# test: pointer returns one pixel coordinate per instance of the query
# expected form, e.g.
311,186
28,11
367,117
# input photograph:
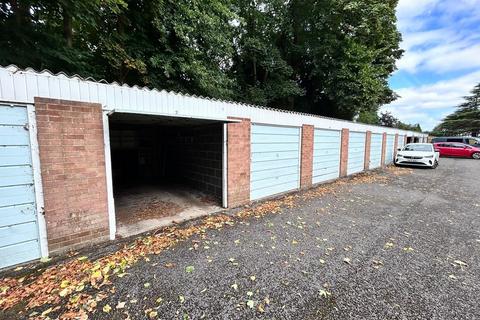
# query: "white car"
417,154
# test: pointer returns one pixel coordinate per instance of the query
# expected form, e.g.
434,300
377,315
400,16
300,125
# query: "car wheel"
476,155
435,164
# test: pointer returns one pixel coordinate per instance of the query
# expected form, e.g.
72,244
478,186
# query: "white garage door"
376,150
389,148
326,155
356,152
401,141
275,160
19,237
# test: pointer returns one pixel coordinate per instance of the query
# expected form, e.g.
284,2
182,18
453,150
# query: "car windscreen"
418,147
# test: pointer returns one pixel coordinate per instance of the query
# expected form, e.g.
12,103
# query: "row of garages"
70,149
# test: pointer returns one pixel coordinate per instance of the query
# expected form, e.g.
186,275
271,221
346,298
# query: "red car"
455,149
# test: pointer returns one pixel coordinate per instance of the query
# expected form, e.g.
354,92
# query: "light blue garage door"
401,140
19,240
376,150
326,155
389,148
356,152
275,160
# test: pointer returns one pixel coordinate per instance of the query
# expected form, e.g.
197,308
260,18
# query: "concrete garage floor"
406,247
146,208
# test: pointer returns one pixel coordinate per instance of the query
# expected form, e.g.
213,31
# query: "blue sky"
441,63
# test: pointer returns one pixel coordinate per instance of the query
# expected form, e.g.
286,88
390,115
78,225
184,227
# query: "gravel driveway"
403,248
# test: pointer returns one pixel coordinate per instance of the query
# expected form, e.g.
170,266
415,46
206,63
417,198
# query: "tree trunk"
67,27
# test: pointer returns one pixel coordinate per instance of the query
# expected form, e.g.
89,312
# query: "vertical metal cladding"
275,160
389,150
401,141
356,152
326,155
376,151
19,238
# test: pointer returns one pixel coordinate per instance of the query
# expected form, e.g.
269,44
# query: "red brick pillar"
72,157
368,141
384,147
306,163
395,145
344,153
238,163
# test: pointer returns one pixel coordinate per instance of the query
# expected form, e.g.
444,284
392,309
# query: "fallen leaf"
146,284
181,298
460,263
249,293
45,259
120,305
235,286
189,269
252,278
324,293
107,308
152,314
251,304
408,249
347,260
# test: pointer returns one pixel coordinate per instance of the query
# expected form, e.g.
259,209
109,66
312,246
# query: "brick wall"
344,153
70,138
368,141
306,165
199,157
384,147
238,162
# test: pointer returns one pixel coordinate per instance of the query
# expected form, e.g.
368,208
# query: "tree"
465,120
263,75
369,117
343,52
327,57
388,120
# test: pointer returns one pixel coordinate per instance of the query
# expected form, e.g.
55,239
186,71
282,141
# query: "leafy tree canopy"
465,120
327,57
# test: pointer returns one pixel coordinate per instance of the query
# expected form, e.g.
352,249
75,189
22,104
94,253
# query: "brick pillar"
306,163
384,147
368,141
238,162
72,157
395,145
344,153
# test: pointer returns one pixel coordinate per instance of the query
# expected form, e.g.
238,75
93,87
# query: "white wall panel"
356,152
376,150
275,160
326,155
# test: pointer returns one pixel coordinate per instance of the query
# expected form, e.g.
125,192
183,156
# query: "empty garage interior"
164,169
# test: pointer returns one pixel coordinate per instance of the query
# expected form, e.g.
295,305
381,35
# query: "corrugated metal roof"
22,85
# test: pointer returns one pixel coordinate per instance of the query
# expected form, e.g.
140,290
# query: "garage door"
401,140
356,152
326,155
275,160
19,239
376,150
389,148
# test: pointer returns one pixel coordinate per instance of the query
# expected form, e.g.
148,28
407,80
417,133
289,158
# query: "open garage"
164,169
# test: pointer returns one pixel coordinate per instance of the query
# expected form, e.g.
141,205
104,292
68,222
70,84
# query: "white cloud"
428,104
439,36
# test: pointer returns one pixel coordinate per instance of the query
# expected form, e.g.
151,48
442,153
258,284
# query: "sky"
441,63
